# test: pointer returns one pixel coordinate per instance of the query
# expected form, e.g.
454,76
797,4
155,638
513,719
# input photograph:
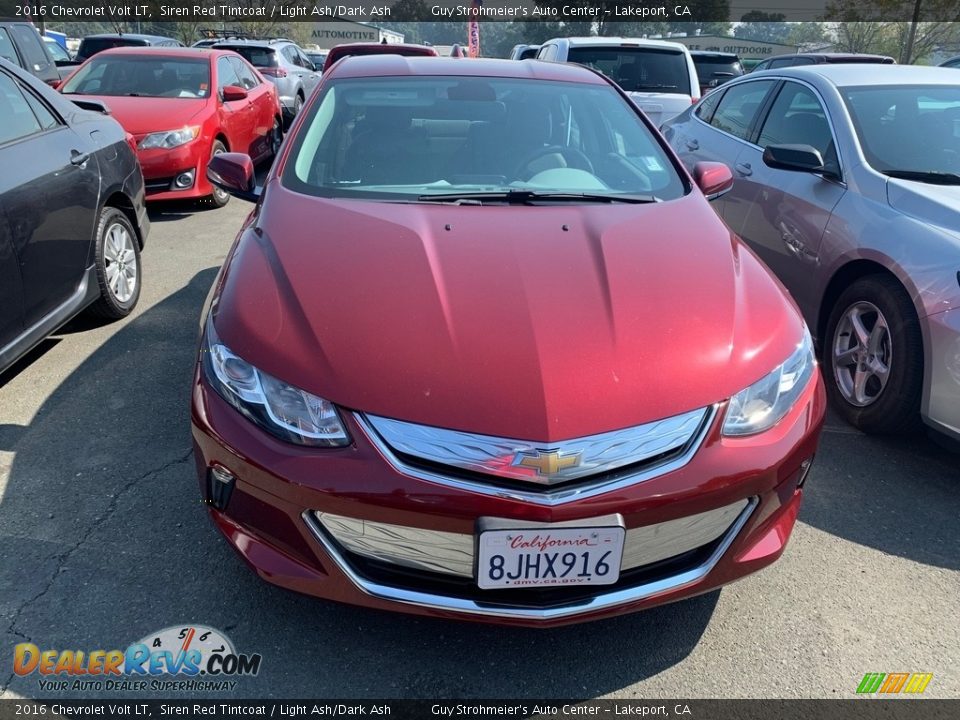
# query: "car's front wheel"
117,256
874,356
220,197
276,138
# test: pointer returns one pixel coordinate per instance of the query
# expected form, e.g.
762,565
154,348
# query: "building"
746,49
327,34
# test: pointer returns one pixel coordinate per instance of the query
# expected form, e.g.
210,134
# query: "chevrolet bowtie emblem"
548,463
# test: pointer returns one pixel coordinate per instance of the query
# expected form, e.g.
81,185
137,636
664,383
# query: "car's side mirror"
234,173
800,158
234,92
713,178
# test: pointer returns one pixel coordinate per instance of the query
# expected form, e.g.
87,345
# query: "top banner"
600,12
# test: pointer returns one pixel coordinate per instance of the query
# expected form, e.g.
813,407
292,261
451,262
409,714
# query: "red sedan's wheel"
219,197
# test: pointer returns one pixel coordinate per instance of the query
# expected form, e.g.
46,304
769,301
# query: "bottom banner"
862,709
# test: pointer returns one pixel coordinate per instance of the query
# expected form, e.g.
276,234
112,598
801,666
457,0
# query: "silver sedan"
847,184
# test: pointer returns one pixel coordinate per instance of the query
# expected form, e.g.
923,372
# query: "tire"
873,357
297,106
276,137
219,197
117,256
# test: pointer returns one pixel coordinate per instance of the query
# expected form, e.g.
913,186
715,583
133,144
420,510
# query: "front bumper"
271,518
941,400
161,167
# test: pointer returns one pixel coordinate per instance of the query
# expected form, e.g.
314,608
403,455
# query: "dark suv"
715,68
92,44
21,44
782,61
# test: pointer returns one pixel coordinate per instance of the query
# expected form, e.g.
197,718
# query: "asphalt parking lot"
104,540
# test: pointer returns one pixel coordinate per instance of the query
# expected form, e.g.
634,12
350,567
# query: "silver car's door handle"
744,169
692,144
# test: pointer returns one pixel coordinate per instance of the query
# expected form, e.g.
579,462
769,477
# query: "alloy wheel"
120,262
862,354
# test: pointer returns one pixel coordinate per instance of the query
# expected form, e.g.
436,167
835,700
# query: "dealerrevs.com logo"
181,657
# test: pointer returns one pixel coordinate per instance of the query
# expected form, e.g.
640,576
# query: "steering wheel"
573,157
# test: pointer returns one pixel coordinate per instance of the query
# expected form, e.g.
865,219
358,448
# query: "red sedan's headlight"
763,404
281,409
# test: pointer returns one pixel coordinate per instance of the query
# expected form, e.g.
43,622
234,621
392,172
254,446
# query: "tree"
766,27
866,26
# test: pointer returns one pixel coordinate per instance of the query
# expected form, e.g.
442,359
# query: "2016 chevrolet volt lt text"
483,350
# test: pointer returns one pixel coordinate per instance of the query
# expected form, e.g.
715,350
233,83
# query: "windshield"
260,57
57,51
908,129
638,69
154,76
411,137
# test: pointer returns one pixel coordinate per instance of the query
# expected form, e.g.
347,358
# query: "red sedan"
484,351
183,106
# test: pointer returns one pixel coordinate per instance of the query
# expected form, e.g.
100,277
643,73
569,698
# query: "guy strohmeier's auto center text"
90,10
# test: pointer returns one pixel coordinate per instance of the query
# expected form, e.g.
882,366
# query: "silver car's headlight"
283,410
168,139
763,404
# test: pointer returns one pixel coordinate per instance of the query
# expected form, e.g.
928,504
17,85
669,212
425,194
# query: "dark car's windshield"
146,76
260,57
92,45
638,69
906,129
410,137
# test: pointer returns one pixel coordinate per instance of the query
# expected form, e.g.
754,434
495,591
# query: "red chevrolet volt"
483,350
182,106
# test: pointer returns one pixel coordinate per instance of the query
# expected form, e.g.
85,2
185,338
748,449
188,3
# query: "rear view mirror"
800,158
713,178
234,173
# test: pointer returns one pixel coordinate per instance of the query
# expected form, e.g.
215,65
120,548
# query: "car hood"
542,323
142,115
935,204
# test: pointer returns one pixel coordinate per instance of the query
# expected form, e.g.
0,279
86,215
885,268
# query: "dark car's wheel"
219,197
873,353
118,265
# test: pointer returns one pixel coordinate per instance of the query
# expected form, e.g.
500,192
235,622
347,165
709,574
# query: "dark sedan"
72,217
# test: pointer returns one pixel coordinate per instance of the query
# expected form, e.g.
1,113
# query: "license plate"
544,556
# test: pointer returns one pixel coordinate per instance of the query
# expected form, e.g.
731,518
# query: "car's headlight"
281,409
170,138
763,404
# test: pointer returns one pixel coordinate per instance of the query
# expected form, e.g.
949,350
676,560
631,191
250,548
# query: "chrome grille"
543,463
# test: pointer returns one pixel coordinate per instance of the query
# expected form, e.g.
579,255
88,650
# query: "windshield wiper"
640,88
928,176
530,197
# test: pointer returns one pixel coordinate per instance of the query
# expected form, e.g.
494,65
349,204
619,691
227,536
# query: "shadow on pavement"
898,495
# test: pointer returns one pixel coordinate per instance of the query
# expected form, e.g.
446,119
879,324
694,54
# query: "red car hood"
542,323
142,115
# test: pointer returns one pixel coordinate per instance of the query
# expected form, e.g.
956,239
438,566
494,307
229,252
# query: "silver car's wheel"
873,356
120,260
862,353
